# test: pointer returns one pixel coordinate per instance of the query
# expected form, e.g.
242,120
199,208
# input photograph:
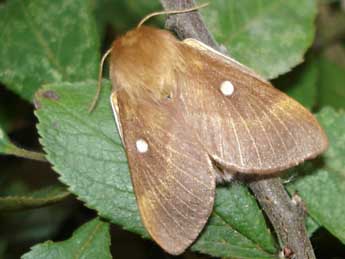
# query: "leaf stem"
24,153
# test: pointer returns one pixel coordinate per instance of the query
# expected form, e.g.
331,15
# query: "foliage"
92,240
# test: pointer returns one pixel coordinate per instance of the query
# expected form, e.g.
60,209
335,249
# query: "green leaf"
331,84
270,36
5,143
92,240
30,225
46,41
124,15
322,184
43,197
301,84
87,153
237,228
8,148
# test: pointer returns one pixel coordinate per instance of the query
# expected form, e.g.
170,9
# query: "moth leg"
115,107
226,176
223,175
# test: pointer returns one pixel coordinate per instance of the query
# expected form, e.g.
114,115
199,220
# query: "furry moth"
187,115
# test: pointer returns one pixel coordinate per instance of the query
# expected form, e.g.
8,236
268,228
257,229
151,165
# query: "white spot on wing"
227,88
141,146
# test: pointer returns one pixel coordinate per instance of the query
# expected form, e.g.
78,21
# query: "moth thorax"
144,63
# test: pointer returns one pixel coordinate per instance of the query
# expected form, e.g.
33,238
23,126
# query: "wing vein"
236,135
163,206
248,131
183,172
221,143
261,107
174,150
150,179
157,217
263,129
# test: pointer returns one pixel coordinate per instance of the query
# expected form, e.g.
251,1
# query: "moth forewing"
173,177
248,126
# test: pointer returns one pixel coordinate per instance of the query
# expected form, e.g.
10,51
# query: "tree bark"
286,216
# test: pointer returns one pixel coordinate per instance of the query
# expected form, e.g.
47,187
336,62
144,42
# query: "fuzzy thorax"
145,62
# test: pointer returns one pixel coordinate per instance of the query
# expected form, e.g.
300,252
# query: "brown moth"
187,116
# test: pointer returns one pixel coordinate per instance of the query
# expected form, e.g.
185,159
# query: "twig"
286,216
187,25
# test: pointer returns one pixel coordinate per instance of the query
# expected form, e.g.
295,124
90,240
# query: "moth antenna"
171,12
99,82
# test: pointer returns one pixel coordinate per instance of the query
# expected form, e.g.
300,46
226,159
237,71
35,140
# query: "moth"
189,116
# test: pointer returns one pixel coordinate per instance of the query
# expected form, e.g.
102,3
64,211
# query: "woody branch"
286,216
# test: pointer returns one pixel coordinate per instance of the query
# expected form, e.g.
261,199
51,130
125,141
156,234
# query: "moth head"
144,63
151,60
